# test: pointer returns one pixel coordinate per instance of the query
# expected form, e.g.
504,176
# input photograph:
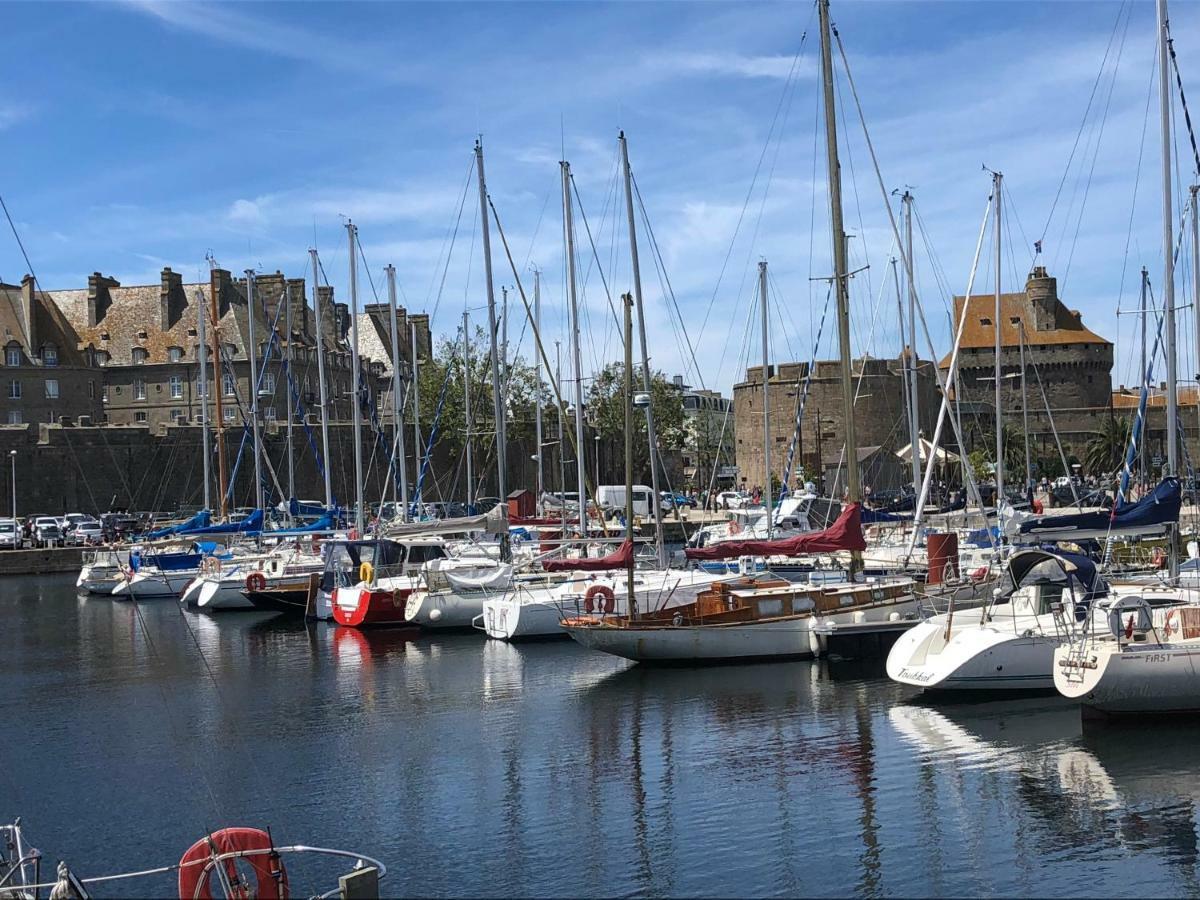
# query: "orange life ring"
196,870
603,591
1159,557
255,582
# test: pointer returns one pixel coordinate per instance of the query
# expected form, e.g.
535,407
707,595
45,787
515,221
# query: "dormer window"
140,355
141,333
175,354
12,354
49,355
102,357
985,321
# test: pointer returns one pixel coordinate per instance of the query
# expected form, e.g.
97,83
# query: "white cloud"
245,212
735,64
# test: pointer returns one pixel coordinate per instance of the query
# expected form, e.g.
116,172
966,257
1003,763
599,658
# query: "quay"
41,560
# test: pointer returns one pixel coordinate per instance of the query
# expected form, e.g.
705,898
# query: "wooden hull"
365,607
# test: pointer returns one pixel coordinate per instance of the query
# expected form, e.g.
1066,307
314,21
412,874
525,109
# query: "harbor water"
476,768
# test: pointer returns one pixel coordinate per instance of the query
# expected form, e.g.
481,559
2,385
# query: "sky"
140,135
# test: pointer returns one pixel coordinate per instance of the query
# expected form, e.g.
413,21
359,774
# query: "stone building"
48,375
1062,356
375,344
708,441
880,412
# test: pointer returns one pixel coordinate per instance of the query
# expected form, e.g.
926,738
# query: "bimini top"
1150,515
1072,569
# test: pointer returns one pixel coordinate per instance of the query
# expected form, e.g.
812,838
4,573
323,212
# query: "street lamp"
12,456
596,438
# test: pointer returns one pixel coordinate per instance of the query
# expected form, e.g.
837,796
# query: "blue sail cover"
252,524
201,519
327,522
871,516
297,509
1150,515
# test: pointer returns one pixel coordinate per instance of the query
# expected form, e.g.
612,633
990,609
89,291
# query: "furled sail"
844,534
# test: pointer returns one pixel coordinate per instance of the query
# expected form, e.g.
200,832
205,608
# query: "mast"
997,183
352,234
316,293
418,454
397,397
537,403
222,476
497,398
627,302
841,274
1143,381
467,412
1025,412
910,358
291,409
1164,97
253,348
562,459
651,431
569,234
766,416
205,441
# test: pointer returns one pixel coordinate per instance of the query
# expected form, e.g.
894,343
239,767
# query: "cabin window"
140,355
176,382
51,388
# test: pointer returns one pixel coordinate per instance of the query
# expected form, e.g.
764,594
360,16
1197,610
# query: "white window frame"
176,386
141,417
12,355
139,389
49,355
51,388
140,355
228,385
229,413
14,389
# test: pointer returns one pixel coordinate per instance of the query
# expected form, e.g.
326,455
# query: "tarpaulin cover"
621,558
844,534
252,524
1159,508
871,516
200,520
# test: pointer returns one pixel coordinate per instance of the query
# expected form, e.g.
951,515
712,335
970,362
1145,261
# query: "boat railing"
230,888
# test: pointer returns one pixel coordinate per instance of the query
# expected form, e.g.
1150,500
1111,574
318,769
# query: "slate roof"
50,326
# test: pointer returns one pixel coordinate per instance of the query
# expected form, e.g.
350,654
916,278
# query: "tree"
1106,451
605,407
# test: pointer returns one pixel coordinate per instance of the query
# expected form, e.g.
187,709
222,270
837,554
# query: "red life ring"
255,582
195,870
603,591
979,574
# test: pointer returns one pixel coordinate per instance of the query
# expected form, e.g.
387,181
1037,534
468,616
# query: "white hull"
152,585
226,593
1137,680
777,638
444,609
99,579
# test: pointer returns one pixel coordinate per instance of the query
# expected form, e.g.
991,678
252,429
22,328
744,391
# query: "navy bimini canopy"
1151,514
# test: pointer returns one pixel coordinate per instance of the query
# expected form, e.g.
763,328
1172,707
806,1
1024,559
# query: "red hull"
366,608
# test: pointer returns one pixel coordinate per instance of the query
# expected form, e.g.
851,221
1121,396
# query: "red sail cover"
621,559
844,534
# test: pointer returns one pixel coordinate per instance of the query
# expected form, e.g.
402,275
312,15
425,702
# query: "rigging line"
447,239
1083,121
595,254
788,85
36,281
637,191
1136,182
453,238
1187,116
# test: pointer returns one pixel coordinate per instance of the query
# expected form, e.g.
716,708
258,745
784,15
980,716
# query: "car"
11,537
46,532
86,533
731,500
670,501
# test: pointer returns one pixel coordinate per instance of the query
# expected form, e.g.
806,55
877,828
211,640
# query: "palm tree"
1106,451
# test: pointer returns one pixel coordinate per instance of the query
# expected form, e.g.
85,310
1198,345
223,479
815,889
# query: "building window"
139,389
175,354
268,383
91,390
228,385
14,390
228,413
985,321
12,355
268,414
102,357
140,417
49,355
176,387
140,355
104,393
176,415
14,417
51,388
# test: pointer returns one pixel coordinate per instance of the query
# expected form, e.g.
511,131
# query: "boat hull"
1134,681
366,607
783,639
444,610
153,585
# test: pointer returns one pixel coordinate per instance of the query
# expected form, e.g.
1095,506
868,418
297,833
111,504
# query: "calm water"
477,768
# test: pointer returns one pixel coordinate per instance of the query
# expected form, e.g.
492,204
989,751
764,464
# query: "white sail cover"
492,578
494,521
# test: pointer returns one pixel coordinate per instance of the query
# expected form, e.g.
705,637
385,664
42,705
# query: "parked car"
731,500
671,501
86,533
46,532
11,537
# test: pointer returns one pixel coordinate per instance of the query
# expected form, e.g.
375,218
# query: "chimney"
1042,293
424,340
299,308
328,316
171,299
99,298
27,316
341,315
224,282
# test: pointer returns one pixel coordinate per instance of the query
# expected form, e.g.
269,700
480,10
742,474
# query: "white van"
612,500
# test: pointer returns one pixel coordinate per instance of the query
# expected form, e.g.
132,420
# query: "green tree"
605,406
1106,450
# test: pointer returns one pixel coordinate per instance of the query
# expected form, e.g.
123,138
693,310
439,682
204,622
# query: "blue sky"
139,135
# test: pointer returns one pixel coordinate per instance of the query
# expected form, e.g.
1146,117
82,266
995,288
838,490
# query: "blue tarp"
1150,514
870,516
252,524
201,519
327,522
297,509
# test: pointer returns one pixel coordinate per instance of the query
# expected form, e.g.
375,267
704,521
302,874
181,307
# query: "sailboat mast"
1164,97
1025,410
627,302
467,413
569,236
562,459
291,409
497,396
1143,381
418,455
651,431
253,354
352,233
397,396
323,393
910,358
537,402
997,184
766,413
215,306
841,273
205,440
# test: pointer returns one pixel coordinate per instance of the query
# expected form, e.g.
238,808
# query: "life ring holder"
366,573
609,599
198,863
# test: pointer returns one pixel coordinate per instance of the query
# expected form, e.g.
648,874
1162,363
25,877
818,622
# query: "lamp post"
596,455
12,457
